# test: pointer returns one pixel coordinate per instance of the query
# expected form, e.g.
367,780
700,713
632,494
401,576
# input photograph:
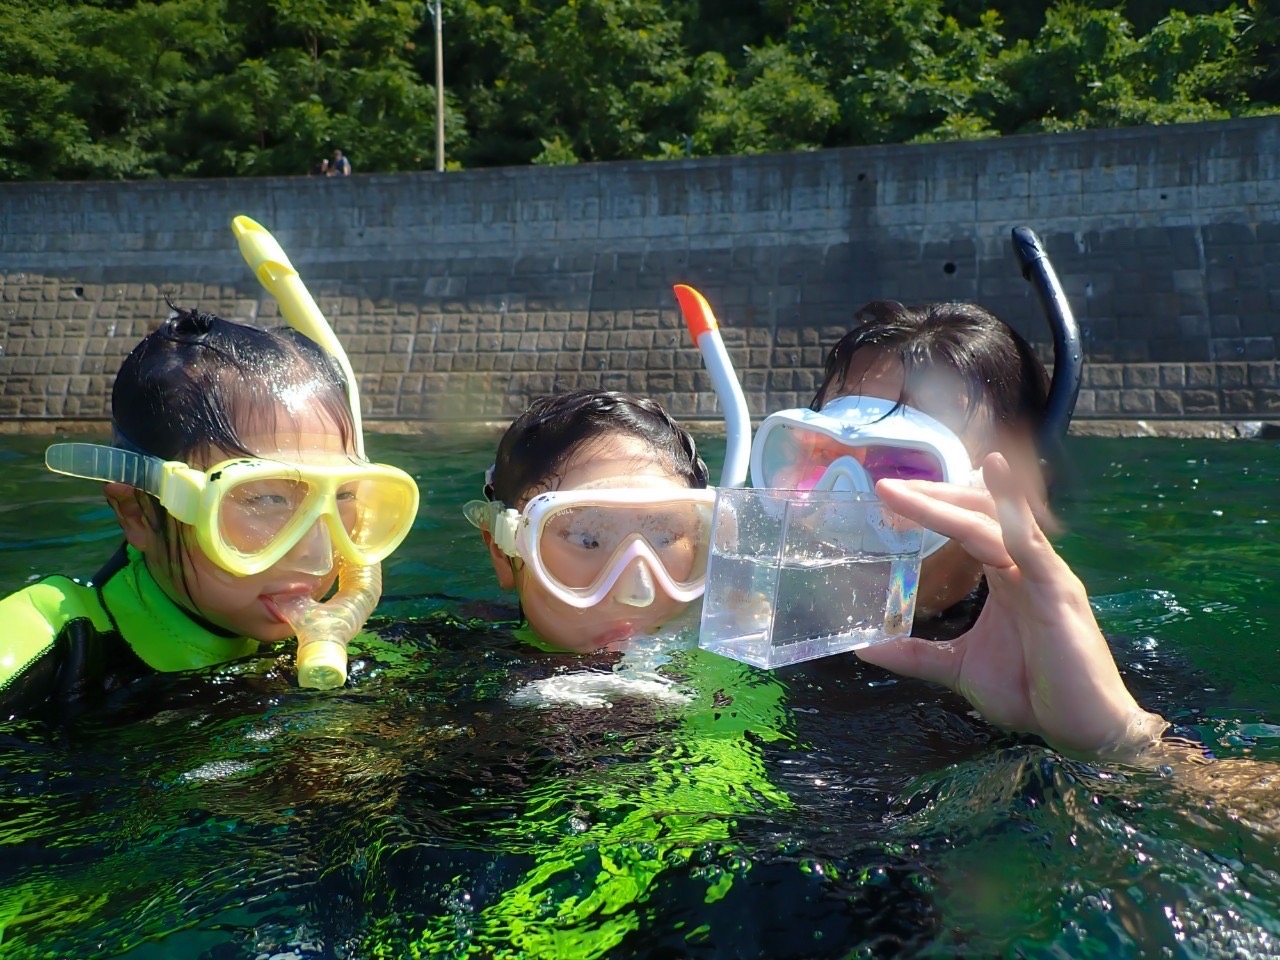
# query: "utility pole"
434,7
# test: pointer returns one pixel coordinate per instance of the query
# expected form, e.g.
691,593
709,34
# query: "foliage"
1086,69
156,88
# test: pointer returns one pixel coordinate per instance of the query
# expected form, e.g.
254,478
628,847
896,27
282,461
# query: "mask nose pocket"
846,475
635,587
313,553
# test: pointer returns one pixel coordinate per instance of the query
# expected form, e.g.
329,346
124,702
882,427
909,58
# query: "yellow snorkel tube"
323,629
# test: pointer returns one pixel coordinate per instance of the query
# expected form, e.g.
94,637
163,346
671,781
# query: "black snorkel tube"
1068,356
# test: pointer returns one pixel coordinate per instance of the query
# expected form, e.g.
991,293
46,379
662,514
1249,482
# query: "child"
911,391
598,516
270,496
918,393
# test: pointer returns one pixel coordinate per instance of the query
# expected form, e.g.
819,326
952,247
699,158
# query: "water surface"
438,806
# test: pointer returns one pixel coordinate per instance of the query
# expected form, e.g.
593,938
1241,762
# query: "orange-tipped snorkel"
323,629
705,331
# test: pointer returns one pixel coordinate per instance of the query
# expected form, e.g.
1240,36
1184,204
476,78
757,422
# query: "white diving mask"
854,441
580,543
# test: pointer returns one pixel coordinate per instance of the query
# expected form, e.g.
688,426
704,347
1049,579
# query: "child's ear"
502,567
131,514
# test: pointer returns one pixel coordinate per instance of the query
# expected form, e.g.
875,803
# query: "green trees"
1087,69
154,88
211,87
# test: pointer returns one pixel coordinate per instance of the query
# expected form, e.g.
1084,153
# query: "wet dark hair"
199,383
539,441
996,365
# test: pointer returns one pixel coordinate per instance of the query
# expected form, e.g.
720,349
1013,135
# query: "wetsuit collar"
160,632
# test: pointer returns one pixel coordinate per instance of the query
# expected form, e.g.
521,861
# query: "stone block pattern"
464,296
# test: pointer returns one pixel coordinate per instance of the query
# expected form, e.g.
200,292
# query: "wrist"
1135,738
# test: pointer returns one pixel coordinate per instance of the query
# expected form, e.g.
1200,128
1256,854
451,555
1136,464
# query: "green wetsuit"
65,642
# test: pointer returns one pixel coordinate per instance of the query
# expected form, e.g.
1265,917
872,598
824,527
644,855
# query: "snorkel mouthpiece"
323,629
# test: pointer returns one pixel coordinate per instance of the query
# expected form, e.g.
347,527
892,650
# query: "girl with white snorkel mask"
598,515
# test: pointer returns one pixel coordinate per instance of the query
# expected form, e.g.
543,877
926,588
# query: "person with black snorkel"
932,394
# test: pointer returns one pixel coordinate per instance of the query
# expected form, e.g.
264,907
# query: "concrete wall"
463,295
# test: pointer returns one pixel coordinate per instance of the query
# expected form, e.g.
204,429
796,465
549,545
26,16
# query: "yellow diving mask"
249,513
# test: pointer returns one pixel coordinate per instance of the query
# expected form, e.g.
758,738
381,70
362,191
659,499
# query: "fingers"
913,657
981,500
977,499
998,526
1024,541
1030,483
976,530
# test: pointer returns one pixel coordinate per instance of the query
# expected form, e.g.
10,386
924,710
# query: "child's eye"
669,538
664,531
579,534
346,496
269,495
265,500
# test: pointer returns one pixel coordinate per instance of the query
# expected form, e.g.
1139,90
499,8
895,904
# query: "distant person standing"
320,168
339,166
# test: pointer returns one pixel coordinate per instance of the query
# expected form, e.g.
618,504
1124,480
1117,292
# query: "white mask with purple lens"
851,443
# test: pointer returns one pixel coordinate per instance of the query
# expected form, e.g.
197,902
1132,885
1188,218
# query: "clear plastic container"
794,575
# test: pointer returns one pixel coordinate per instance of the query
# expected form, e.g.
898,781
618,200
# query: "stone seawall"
462,296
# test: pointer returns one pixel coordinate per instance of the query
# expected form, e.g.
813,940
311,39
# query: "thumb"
912,657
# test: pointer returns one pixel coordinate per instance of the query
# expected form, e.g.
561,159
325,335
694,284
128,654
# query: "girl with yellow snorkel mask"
236,473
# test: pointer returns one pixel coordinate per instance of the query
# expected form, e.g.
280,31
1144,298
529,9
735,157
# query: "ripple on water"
825,810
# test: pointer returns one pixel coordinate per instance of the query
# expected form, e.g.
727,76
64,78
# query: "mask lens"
793,459
679,535
375,512
579,544
254,513
901,463
796,459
